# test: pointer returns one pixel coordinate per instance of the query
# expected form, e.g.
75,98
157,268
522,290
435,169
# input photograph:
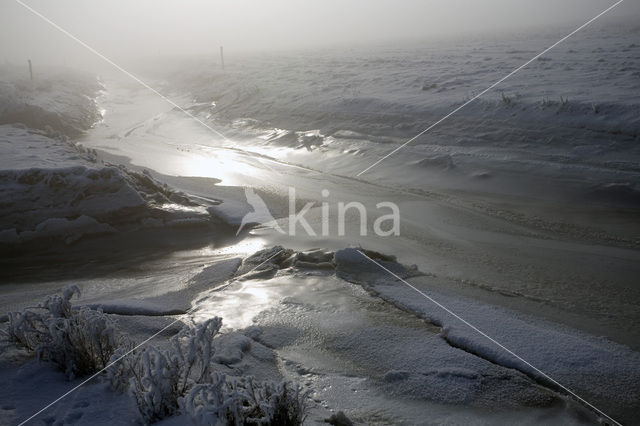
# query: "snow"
59,102
190,349
53,189
375,358
591,366
28,385
445,362
177,301
362,341
570,118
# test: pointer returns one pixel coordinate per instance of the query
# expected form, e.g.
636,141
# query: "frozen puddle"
377,363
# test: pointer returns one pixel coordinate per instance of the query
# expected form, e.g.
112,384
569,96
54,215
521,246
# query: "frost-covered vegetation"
242,401
79,341
183,378
158,378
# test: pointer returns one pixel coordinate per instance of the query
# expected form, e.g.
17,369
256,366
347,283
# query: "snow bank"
56,101
69,202
603,372
52,189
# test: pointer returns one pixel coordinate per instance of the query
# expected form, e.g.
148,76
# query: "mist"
125,30
364,211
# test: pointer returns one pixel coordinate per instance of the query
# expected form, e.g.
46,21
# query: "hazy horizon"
124,31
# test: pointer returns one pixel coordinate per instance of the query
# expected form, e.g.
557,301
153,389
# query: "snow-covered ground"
521,213
566,126
54,191
294,318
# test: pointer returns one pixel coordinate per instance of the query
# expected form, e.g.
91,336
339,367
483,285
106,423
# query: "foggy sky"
122,29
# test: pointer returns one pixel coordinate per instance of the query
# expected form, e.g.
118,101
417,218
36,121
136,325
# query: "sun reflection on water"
232,168
239,303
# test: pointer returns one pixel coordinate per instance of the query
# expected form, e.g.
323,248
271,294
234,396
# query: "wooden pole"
30,69
222,58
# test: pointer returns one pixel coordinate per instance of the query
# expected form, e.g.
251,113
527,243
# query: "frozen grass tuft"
157,378
80,345
506,100
80,342
242,401
561,105
181,379
163,382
